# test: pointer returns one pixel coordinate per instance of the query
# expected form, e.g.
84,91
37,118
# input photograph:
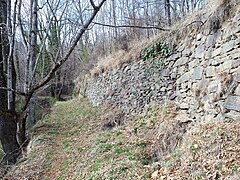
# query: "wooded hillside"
164,74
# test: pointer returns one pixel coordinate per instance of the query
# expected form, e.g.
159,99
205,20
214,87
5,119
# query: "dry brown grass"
220,14
117,59
208,151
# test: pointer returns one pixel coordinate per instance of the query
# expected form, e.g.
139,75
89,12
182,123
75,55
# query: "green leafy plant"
74,92
159,49
149,53
135,130
155,55
52,101
66,144
194,148
118,133
79,149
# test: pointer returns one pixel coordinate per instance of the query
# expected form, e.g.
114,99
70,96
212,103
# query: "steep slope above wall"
202,75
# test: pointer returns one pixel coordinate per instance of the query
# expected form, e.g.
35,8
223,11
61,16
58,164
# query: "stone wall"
202,75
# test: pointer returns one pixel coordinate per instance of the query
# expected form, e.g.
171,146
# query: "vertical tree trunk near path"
32,61
8,122
11,79
8,128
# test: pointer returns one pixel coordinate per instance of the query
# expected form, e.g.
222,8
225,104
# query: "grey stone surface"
181,61
218,60
185,77
210,40
181,70
232,103
165,72
193,63
237,17
199,37
238,78
237,91
181,47
228,46
236,55
200,51
210,71
175,56
236,63
218,118
197,73
216,52
208,53
234,115
227,65
187,52
184,106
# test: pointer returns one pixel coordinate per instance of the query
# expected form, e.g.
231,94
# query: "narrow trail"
70,143
59,143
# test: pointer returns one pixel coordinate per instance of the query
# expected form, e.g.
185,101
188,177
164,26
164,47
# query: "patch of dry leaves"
208,151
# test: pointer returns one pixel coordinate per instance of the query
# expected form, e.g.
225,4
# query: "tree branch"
131,26
201,22
93,5
14,91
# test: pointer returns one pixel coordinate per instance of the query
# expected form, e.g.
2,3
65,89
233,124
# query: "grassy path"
70,144
59,142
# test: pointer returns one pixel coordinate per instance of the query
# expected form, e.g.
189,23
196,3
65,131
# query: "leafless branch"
201,22
14,91
93,5
131,26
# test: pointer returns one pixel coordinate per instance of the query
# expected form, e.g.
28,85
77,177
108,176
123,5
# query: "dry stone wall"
202,75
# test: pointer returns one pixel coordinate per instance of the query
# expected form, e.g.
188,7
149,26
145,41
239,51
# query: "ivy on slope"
155,55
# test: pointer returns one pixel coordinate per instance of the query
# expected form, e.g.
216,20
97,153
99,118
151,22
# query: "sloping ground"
72,143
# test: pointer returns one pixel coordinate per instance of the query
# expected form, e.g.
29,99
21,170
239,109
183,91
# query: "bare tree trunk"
29,70
11,69
8,121
168,12
183,7
175,15
8,124
62,85
32,61
147,18
114,19
8,128
33,58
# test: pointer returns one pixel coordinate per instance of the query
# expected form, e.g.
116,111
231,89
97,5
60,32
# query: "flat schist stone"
232,103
